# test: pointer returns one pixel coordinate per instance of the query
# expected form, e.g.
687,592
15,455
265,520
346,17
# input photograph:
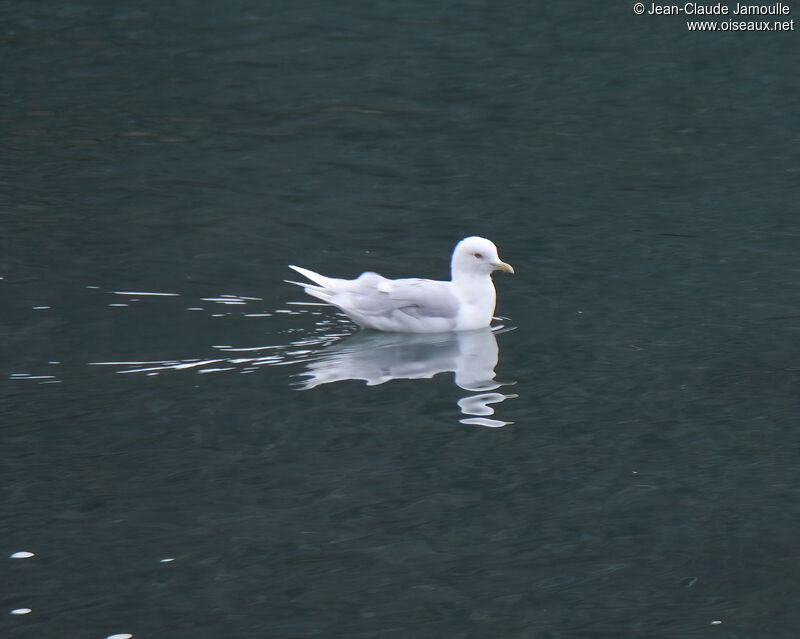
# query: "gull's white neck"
475,292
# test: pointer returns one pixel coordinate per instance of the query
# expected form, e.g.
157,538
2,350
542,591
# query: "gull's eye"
478,255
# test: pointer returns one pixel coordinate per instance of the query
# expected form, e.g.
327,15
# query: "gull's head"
477,256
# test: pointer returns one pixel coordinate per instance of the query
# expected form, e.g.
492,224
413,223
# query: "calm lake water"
619,459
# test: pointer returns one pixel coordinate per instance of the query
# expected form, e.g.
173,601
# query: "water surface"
214,461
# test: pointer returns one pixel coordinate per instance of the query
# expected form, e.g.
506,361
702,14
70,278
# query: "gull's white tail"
325,288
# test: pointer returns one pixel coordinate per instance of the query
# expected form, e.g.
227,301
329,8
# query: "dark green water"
644,182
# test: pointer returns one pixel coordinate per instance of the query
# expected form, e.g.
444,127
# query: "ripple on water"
330,351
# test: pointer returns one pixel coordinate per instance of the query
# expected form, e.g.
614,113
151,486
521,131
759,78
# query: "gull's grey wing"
415,298
372,301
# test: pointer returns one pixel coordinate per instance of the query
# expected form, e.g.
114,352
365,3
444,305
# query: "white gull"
413,305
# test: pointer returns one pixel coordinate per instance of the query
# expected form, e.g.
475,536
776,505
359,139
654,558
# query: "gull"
413,305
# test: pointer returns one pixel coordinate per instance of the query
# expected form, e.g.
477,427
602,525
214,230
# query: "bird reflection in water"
329,354
377,358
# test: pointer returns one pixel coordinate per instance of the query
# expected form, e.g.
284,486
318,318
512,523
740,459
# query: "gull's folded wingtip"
321,280
296,283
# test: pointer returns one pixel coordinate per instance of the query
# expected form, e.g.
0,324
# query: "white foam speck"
224,300
145,293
